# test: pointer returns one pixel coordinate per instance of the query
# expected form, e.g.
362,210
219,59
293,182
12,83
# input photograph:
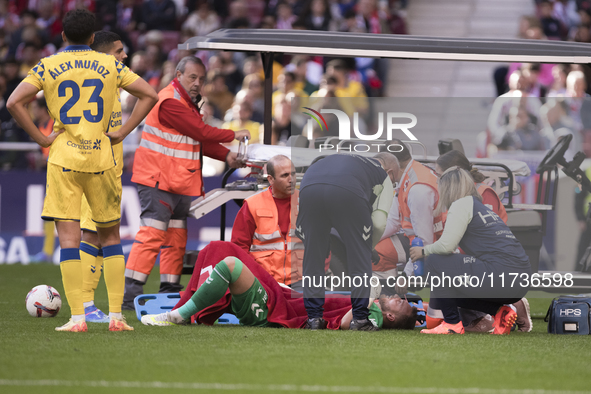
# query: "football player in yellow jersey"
81,88
91,253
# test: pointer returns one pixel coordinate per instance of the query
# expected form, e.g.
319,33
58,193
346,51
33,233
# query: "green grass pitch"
36,359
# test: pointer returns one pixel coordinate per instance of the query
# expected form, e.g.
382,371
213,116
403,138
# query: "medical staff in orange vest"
411,214
265,225
167,170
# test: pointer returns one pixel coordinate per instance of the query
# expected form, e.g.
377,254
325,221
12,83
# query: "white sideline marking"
277,387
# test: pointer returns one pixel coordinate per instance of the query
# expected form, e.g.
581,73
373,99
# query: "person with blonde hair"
489,197
491,252
477,321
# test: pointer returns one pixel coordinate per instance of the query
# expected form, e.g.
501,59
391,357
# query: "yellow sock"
49,242
72,279
114,265
91,270
99,272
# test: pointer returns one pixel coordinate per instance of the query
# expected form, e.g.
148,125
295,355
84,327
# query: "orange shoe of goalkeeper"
445,328
504,320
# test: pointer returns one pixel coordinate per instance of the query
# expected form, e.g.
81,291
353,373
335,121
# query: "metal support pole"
223,209
268,92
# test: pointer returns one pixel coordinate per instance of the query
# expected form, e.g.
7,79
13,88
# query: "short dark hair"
79,25
103,40
531,66
338,65
33,45
402,322
240,23
291,75
350,13
10,59
32,13
41,102
298,24
404,155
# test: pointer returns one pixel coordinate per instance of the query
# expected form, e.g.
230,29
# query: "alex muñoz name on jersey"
92,65
81,89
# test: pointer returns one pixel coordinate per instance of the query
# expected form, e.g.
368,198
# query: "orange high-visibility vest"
167,157
417,174
481,188
280,257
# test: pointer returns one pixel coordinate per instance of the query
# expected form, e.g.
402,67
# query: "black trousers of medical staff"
487,296
321,208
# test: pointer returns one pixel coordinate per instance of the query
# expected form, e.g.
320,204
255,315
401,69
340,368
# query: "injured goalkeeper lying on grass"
249,302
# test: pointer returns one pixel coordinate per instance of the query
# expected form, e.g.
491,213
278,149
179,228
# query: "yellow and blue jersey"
114,125
81,90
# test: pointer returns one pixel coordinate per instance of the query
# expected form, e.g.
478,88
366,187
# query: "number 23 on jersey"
92,107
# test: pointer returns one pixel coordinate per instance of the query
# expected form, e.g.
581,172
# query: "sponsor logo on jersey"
82,144
115,119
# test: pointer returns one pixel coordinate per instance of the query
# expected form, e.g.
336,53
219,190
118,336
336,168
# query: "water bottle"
419,265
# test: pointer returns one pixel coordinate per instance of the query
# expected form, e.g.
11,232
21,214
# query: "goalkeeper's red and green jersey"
81,90
375,314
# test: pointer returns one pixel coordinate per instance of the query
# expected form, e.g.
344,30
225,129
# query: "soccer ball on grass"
43,301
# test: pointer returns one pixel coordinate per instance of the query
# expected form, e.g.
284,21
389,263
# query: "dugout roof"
342,44
391,46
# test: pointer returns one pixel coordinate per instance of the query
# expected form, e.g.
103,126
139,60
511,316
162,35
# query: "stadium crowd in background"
538,103
151,30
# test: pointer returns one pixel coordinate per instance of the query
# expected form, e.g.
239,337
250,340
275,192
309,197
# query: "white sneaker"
163,319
